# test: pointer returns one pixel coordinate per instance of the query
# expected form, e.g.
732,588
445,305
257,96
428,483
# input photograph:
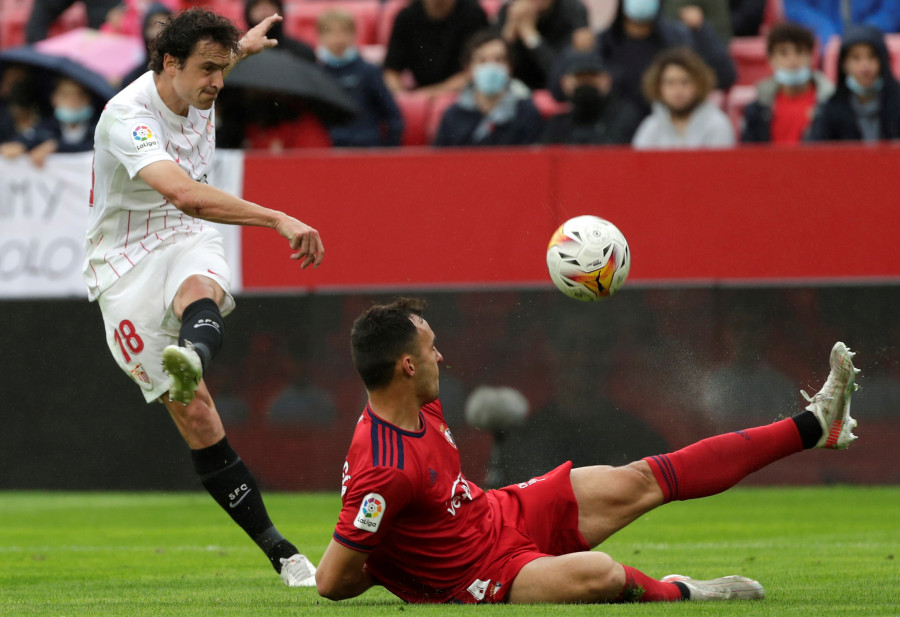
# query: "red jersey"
407,504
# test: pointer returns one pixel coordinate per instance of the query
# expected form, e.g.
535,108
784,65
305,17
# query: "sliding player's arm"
212,204
342,573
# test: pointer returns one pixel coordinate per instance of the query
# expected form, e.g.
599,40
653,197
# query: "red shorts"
533,519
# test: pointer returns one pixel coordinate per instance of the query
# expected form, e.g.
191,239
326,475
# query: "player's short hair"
380,336
696,68
787,32
340,17
479,39
180,36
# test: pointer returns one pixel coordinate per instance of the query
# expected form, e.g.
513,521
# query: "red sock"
641,588
718,463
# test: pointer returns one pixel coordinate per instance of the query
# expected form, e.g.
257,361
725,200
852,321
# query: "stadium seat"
386,19
773,14
492,8
12,26
833,52
738,99
415,109
750,59
73,17
438,106
546,104
300,19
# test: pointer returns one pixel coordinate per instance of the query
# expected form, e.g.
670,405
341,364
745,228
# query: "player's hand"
304,239
256,39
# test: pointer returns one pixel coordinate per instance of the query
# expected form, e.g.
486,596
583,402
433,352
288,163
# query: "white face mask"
490,78
67,115
641,10
793,77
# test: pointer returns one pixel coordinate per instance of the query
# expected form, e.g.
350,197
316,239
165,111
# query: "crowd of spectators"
655,76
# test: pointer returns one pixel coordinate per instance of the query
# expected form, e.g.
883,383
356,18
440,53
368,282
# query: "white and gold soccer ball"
588,258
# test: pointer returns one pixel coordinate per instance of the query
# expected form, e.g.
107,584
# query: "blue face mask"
329,59
67,115
860,90
795,77
490,78
641,10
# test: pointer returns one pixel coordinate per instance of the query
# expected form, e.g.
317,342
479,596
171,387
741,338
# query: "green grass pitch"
818,551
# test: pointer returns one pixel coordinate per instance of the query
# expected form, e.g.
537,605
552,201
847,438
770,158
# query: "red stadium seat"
73,17
546,104
12,27
773,14
300,19
738,99
492,8
389,12
750,59
438,106
415,109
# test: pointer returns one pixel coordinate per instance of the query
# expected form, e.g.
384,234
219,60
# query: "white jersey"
128,218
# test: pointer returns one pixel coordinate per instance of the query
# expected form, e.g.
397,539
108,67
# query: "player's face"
862,63
427,360
201,78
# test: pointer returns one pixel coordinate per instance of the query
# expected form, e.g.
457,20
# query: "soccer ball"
588,258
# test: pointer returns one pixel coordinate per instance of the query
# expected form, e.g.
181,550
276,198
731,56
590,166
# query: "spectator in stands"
45,12
866,102
28,133
746,16
786,103
257,10
155,18
12,73
597,115
694,13
826,17
427,40
679,82
378,122
638,33
494,110
537,30
74,117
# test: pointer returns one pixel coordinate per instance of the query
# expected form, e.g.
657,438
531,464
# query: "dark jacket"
615,123
757,126
627,70
836,120
516,121
378,122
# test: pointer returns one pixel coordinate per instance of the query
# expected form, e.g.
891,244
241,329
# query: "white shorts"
137,310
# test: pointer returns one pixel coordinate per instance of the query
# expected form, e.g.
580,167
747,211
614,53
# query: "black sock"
225,476
809,427
203,326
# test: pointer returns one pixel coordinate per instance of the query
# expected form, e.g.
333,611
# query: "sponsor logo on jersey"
140,374
445,431
459,491
345,477
371,513
143,137
478,588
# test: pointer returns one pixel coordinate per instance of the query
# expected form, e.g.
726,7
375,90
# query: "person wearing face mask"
494,110
786,102
679,82
26,132
378,122
74,117
637,35
866,103
597,114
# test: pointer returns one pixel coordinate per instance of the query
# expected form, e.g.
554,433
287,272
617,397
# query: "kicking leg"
231,484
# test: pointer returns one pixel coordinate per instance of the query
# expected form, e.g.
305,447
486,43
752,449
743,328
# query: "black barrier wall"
647,371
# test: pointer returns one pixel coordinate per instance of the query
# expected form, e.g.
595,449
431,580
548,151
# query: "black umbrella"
61,66
282,74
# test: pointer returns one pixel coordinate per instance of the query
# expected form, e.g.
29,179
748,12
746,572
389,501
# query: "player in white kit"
158,269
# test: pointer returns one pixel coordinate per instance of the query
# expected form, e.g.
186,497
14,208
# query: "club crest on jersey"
140,375
447,435
143,137
371,512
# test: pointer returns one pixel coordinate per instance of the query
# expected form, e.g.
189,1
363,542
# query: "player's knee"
602,581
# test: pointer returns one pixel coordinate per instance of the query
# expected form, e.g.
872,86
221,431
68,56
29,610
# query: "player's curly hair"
382,334
180,36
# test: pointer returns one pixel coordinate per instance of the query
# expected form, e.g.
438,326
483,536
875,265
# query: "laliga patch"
371,512
143,138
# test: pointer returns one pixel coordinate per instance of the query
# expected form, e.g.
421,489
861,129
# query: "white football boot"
298,571
185,371
831,404
725,588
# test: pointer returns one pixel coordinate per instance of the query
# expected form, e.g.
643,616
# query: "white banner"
43,217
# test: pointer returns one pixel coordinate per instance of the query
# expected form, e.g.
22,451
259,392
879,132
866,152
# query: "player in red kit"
411,521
